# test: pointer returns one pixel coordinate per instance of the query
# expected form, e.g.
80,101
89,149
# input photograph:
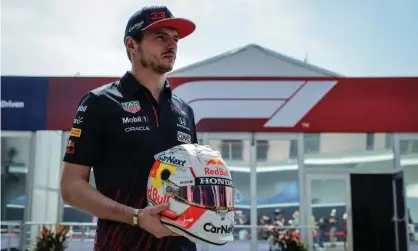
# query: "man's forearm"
84,197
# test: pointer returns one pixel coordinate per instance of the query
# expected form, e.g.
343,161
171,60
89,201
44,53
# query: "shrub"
50,240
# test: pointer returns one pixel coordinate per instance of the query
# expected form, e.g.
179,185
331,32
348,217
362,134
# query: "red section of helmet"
187,219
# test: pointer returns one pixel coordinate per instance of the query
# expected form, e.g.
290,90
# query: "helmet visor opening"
207,196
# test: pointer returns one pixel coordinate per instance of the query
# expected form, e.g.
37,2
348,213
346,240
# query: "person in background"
322,226
294,222
264,232
315,229
279,220
241,219
345,232
333,223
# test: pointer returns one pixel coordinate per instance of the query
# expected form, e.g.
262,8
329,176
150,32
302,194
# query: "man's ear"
130,44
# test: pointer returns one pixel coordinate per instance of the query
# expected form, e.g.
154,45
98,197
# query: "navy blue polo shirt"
117,129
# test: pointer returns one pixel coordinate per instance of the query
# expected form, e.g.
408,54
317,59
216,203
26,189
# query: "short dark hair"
138,38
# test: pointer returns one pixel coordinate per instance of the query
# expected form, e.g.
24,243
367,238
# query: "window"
262,150
408,146
370,141
232,149
312,143
388,141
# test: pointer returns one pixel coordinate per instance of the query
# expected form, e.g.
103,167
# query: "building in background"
265,113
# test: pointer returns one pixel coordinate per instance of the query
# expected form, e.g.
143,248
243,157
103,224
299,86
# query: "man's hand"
149,220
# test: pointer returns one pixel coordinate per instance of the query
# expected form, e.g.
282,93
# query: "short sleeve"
84,142
194,133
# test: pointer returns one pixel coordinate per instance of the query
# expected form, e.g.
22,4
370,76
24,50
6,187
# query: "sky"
352,38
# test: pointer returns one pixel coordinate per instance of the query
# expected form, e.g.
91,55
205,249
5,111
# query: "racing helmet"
196,183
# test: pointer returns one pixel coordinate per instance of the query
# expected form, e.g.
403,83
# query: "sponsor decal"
70,147
78,120
181,169
184,137
136,26
214,181
157,172
12,104
179,111
187,182
172,160
155,196
138,119
224,229
75,132
131,106
217,171
182,123
216,166
82,108
137,128
215,162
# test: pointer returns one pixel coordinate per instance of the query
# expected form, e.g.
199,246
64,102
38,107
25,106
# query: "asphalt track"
87,245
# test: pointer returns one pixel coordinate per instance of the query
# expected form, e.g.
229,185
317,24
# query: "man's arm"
77,192
83,151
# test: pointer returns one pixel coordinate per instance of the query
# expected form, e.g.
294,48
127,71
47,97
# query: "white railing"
11,233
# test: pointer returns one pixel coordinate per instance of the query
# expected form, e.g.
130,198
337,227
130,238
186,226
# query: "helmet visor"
207,196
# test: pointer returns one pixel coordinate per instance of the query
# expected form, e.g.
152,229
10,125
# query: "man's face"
158,50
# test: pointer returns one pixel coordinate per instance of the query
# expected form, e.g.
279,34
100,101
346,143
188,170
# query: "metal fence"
81,236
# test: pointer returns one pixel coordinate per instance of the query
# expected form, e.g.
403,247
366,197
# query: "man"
322,227
333,224
125,123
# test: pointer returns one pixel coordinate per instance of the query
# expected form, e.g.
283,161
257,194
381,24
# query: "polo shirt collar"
130,85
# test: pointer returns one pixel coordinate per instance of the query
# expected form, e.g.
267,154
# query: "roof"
252,49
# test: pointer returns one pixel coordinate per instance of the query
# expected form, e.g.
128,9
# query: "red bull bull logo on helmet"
215,162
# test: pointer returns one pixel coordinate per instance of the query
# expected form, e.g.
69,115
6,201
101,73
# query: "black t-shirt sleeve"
83,146
194,133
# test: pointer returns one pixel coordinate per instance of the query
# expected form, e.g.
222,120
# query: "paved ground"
237,245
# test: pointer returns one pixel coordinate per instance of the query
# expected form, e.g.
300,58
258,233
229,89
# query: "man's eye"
160,37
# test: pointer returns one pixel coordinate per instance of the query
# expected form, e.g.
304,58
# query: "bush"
288,241
49,240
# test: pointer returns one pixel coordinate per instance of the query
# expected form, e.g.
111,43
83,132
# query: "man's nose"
172,47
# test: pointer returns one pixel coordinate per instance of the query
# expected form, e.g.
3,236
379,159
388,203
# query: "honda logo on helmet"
214,181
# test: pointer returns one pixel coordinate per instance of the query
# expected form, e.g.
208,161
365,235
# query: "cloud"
58,37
